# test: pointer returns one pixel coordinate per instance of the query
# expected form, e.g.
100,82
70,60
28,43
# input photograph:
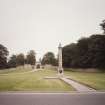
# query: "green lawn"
95,80
15,70
17,80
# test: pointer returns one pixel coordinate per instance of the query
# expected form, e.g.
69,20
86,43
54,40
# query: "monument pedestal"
60,72
60,68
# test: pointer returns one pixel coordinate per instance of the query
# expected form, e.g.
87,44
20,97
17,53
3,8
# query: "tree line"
87,52
15,60
21,59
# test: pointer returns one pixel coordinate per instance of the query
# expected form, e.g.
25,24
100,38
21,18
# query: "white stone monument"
60,68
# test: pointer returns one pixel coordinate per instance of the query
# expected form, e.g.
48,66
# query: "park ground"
21,79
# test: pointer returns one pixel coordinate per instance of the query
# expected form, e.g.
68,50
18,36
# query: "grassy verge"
95,80
32,81
15,70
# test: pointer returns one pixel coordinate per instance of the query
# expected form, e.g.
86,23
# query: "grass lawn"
16,80
95,80
15,70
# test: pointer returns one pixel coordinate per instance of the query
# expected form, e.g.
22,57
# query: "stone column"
60,68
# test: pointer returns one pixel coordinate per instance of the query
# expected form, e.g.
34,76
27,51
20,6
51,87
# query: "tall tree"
3,56
97,49
20,59
68,55
31,59
84,60
12,61
49,58
103,25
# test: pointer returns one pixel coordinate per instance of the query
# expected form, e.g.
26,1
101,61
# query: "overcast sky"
41,24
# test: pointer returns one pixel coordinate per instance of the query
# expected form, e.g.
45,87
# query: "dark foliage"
3,57
103,26
86,53
31,59
20,59
12,61
49,58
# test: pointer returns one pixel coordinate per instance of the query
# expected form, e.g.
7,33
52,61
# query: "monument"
60,68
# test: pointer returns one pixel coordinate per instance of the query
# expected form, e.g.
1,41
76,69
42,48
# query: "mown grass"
95,80
16,80
15,70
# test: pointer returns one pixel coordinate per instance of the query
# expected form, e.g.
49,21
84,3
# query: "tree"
86,53
68,54
49,58
12,61
20,59
3,56
31,59
84,59
97,49
103,26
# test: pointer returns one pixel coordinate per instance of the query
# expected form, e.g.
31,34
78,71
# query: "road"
89,98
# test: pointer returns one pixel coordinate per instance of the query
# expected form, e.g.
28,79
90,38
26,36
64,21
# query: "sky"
41,25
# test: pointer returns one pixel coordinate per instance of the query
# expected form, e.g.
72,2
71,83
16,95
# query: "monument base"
60,71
